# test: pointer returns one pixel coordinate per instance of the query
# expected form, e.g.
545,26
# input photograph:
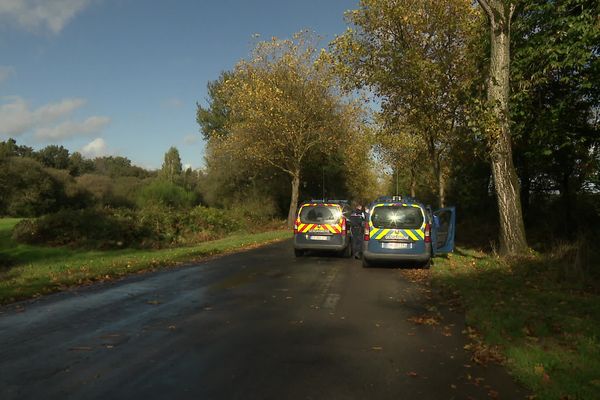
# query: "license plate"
317,237
396,246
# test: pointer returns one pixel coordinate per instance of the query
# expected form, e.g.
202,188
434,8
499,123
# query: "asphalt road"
254,325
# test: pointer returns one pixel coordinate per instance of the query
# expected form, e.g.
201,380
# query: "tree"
53,156
27,189
414,54
212,119
402,151
555,80
78,165
283,107
10,148
171,168
506,183
117,166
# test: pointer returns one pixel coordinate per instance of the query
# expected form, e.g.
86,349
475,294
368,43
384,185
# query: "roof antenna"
397,173
323,185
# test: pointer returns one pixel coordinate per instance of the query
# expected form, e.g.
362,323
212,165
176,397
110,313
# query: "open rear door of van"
444,228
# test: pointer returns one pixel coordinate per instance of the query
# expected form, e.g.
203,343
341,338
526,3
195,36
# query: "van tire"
298,253
427,264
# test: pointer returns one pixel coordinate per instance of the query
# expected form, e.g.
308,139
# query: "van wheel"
366,263
298,252
427,264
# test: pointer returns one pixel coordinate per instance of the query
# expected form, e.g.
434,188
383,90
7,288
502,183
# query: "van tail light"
367,232
344,231
296,227
428,233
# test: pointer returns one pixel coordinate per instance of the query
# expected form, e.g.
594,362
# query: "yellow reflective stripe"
371,224
373,231
308,227
411,234
420,233
416,206
330,228
382,234
300,227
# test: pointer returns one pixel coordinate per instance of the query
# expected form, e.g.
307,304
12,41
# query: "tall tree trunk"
439,179
442,190
512,228
294,199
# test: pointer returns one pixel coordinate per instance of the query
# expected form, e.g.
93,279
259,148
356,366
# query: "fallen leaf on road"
377,348
172,327
80,348
447,331
153,302
453,386
493,394
424,320
412,373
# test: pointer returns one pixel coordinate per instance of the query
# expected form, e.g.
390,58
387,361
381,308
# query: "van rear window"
397,217
320,214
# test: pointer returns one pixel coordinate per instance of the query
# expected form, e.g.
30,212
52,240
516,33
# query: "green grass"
30,271
546,324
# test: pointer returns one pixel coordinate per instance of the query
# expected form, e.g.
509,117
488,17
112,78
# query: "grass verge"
546,325
32,271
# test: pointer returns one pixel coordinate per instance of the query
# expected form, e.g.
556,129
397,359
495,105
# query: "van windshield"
320,214
397,217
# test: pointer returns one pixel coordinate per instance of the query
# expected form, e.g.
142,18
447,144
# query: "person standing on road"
357,219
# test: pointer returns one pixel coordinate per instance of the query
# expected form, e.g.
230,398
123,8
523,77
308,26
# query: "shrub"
166,194
206,218
92,228
27,189
254,209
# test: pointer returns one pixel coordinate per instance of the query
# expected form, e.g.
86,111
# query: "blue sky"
122,77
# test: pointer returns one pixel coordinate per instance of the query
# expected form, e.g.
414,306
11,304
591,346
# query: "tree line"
490,106
35,183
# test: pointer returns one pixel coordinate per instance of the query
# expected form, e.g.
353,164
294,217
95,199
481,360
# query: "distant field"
30,271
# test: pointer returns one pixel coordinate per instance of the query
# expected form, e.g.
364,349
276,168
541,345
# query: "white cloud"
191,139
50,122
5,72
172,102
35,15
95,148
70,129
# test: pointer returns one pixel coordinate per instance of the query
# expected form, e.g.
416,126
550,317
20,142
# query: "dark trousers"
357,239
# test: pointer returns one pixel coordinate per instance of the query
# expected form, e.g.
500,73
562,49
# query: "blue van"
399,230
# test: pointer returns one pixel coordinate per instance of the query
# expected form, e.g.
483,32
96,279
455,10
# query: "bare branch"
488,10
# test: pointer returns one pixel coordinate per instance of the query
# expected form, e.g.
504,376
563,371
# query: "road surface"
258,324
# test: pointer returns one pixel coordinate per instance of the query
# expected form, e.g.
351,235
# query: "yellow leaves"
425,320
540,371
